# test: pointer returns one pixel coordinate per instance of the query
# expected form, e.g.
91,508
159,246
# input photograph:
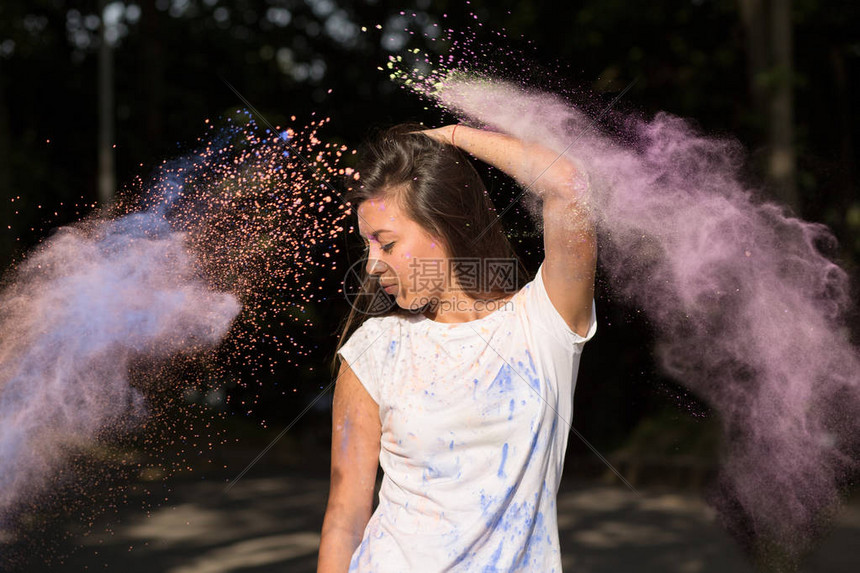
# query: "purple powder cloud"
73,316
748,313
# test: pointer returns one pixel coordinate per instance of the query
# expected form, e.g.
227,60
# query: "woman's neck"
457,307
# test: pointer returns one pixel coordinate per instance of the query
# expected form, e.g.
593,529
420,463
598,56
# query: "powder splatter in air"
749,313
201,251
78,311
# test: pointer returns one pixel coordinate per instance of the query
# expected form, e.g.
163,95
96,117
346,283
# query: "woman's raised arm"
356,435
570,242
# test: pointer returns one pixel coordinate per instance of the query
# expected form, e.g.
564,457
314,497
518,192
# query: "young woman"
463,390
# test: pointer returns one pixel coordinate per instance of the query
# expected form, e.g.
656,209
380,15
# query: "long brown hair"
436,186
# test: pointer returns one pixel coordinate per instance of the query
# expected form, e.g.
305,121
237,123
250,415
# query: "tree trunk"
768,31
152,71
107,174
782,168
756,34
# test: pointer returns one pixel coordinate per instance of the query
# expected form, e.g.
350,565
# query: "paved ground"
272,524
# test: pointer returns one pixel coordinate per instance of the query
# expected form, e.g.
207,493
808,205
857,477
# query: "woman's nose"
375,266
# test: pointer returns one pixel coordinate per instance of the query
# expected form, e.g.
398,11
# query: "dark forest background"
137,85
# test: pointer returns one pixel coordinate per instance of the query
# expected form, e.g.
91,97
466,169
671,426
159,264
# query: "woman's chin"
398,300
411,304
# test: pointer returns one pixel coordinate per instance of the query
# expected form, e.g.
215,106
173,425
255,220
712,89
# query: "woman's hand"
441,134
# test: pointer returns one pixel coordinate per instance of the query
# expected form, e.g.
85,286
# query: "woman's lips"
389,288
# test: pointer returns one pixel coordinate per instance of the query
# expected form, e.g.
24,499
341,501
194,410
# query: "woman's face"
401,254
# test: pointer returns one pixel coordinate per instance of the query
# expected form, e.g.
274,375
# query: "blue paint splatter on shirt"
529,373
503,381
492,566
501,473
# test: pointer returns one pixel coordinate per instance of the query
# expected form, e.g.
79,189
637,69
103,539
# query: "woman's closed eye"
385,248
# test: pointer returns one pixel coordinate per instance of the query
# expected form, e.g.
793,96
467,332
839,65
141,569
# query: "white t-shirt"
475,419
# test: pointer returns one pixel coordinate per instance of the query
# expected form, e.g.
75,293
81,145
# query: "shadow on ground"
271,523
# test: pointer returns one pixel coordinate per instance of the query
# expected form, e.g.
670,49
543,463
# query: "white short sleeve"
549,319
361,351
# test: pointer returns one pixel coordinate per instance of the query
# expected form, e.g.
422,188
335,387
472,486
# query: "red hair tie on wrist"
453,131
